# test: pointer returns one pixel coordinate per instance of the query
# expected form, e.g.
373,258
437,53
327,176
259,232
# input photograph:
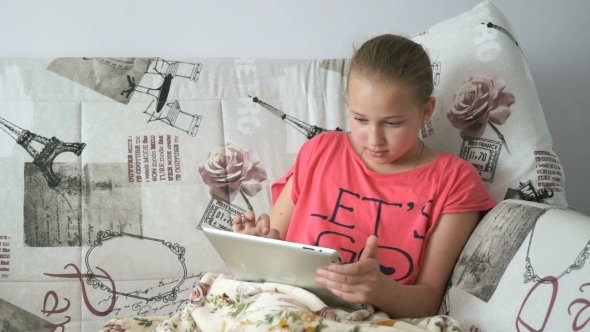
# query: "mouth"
377,153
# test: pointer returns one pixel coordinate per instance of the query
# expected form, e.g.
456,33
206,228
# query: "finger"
249,219
342,290
354,289
346,269
263,224
349,296
237,226
370,250
274,234
360,269
341,278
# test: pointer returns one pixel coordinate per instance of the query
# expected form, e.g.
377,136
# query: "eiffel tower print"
306,129
527,191
43,159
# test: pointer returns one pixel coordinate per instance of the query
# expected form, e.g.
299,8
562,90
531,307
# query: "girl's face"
384,123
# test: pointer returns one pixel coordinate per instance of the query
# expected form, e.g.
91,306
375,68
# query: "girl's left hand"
355,282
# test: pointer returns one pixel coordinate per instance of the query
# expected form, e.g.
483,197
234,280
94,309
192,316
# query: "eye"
393,124
360,120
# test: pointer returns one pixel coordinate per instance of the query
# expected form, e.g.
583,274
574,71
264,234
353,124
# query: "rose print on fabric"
479,102
230,169
114,325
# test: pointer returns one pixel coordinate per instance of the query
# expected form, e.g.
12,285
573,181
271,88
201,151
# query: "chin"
382,161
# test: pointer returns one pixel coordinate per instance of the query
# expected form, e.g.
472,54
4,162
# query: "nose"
375,136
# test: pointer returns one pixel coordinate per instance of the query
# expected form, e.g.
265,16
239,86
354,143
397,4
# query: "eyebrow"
387,117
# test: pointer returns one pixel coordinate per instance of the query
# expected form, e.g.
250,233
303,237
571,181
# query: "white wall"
553,35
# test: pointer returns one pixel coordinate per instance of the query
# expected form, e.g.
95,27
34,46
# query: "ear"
428,109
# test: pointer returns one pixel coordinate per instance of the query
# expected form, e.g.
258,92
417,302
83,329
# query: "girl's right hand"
250,226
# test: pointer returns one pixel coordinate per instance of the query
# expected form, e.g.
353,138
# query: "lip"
377,154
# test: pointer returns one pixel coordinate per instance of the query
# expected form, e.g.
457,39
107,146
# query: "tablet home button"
285,274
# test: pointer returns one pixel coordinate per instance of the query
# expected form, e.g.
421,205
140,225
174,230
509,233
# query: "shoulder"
453,171
328,137
318,148
324,140
452,159
451,163
460,187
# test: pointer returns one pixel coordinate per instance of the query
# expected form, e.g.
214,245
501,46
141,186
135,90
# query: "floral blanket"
220,303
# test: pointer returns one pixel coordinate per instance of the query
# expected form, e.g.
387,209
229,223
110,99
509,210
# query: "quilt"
219,303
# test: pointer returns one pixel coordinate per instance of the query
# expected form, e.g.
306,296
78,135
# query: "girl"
398,211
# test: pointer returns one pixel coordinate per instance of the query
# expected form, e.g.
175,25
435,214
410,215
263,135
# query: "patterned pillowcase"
509,275
488,111
523,270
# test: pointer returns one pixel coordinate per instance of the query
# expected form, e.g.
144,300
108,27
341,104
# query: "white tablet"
253,258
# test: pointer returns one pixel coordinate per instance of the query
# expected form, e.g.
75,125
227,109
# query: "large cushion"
523,269
488,111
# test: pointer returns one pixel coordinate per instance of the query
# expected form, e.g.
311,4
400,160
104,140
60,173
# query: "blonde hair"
396,60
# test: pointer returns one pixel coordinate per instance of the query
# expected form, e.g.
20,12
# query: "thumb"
370,250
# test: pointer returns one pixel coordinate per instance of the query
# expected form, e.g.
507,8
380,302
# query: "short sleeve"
465,189
299,169
277,187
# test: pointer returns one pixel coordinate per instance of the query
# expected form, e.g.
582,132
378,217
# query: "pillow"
488,111
510,277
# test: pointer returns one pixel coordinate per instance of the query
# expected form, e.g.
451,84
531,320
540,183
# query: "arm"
363,282
282,210
275,225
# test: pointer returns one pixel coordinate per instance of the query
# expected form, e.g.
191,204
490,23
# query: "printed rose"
114,325
328,313
231,168
196,296
480,99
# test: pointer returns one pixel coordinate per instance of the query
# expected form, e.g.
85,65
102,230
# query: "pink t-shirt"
339,203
